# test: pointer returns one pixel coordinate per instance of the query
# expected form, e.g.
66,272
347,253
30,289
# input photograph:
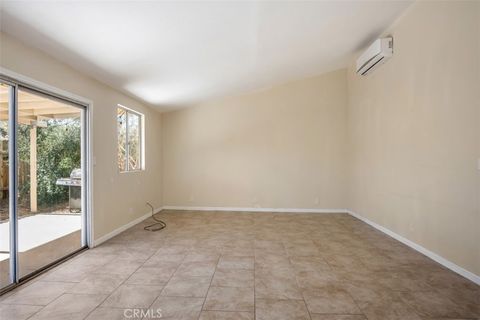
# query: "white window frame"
142,138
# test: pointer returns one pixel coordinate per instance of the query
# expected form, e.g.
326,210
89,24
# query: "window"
130,140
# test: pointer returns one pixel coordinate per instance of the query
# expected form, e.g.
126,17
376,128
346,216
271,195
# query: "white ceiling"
172,54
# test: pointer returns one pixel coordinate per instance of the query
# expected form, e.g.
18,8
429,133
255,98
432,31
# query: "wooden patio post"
33,168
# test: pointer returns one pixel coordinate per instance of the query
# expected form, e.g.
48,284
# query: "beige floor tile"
102,313
330,300
269,245
309,264
428,318
70,306
91,258
337,317
297,241
378,262
179,308
187,287
39,293
132,296
201,256
259,252
389,310
233,278
151,275
356,275
303,251
196,269
338,260
380,304
131,251
316,279
281,310
235,262
164,260
223,315
275,270
68,273
272,287
246,243
238,252
270,261
98,283
123,267
173,249
17,312
229,299
446,279
444,303
401,280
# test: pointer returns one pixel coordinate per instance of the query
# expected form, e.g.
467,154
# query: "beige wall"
118,198
279,148
414,132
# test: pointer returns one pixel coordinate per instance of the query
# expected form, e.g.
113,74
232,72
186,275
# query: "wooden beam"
48,114
61,110
40,104
39,112
33,168
21,119
62,116
25,121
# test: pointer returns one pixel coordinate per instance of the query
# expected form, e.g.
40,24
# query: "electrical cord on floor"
158,225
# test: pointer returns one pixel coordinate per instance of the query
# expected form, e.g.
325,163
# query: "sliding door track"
42,270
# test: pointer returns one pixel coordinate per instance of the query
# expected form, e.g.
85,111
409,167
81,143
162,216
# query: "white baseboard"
255,209
119,230
432,255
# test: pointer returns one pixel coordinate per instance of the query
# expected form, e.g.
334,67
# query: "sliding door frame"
16,82
12,182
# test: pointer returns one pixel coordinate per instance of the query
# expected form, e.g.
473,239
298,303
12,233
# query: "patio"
43,238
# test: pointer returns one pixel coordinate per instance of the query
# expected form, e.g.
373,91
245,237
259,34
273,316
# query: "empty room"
240,160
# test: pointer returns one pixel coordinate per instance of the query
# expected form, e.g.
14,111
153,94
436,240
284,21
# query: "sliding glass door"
6,259
42,174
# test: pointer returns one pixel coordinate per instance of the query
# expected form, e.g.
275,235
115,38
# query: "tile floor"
264,266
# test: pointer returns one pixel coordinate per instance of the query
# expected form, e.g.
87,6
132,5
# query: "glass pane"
122,139
49,180
134,147
4,189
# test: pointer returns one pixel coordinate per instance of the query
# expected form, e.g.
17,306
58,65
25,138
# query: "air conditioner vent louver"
378,53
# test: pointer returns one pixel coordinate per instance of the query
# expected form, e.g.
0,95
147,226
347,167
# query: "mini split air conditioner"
378,52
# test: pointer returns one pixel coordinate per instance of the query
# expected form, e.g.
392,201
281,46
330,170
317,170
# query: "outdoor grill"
74,184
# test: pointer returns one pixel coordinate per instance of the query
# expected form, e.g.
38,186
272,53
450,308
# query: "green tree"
58,153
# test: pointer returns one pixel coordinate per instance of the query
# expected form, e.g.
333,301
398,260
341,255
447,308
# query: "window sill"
132,171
